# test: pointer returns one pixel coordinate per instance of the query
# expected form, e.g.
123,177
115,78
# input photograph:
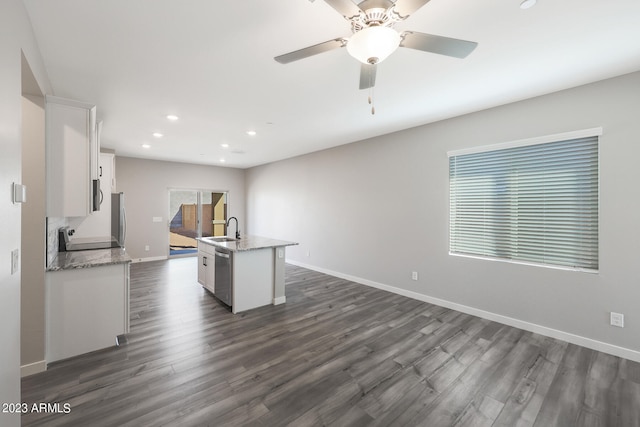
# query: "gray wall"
16,35
376,210
146,185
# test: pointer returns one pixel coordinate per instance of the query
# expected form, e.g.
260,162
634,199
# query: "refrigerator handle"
124,226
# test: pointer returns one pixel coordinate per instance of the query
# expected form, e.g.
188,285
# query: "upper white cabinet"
72,156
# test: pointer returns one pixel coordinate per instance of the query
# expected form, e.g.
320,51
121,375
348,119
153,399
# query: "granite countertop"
89,258
248,243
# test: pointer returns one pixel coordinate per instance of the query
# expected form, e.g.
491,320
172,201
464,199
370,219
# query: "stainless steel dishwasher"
223,276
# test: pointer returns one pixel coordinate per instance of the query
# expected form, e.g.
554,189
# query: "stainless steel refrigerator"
118,219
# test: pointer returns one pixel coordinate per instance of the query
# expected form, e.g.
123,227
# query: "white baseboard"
154,258
279,300
33,368
604,347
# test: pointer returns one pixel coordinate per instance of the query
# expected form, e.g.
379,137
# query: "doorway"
195,213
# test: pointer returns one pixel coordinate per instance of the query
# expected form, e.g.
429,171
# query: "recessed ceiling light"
158,135
222,160
526,4
251,132
172,117
224,145
146,146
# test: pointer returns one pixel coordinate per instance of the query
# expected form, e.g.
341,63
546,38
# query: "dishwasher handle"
222,254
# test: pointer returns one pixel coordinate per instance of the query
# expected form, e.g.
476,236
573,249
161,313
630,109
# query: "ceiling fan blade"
311,50
346,8
437,44
367,76
407,7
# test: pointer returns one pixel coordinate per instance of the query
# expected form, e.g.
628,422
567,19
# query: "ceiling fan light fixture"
373,45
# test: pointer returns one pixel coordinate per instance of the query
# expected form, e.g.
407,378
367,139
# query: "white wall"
146,185
15,35
376,210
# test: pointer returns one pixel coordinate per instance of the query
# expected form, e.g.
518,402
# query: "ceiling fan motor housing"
375,13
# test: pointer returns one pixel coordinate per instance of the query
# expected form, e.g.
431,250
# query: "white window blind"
533,203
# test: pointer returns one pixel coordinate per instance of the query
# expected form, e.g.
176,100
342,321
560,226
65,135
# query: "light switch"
15,261
19,193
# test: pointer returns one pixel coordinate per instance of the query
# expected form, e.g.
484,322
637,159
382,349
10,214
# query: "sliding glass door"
195,213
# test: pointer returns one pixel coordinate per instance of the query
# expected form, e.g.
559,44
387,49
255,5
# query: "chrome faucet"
237,231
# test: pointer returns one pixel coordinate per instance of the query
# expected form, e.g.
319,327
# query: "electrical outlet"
308,253
146,247
414,275
15,261
617,319
280,253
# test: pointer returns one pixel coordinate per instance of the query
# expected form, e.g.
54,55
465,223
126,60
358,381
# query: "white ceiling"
211,63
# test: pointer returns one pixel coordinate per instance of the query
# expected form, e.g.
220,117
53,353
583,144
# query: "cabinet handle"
204,261
100,171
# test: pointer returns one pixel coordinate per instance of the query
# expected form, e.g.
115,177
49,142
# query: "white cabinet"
206,266
253,276
86,309
72,148
94,148
110,166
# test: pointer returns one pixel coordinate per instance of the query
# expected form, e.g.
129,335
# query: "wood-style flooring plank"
336,354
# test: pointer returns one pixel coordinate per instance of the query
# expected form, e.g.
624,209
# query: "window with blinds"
532,203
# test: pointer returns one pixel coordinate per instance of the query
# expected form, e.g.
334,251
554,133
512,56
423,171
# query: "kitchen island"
243,273
87,301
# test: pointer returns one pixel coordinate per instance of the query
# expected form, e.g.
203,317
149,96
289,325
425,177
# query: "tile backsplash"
53,224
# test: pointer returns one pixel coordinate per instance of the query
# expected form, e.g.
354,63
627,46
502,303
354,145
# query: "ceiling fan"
374,38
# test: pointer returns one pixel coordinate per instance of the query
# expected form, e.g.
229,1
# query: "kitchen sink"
220,239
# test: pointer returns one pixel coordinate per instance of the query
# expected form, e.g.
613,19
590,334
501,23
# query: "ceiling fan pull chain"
371,99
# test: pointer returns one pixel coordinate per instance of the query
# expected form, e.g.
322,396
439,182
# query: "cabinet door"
68,134
95,129
202,267
210,273
113,174
206,266
86,309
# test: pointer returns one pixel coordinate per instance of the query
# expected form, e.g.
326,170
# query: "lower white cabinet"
86,309
206,266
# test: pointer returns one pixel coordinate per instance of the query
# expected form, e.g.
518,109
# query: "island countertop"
247,243
89,258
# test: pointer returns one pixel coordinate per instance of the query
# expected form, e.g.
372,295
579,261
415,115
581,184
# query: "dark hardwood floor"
337,353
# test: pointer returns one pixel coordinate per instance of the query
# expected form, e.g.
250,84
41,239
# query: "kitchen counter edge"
248,243
89,258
